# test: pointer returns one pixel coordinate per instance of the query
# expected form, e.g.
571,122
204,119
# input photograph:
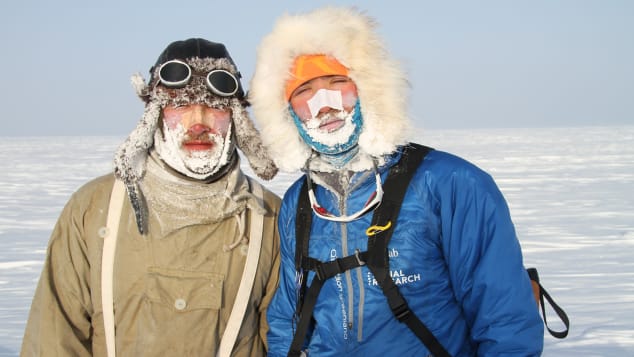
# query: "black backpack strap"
323,272
303,263
303,220
532,273
386,215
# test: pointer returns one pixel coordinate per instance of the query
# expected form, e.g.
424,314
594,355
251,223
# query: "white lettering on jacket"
398,276
339,283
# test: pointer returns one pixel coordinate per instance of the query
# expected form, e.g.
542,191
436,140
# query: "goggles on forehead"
176,74
370,204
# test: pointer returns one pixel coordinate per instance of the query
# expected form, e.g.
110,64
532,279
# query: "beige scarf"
175,201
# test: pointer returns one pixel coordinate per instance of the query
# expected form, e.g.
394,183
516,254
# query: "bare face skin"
328,122
195,139
200,123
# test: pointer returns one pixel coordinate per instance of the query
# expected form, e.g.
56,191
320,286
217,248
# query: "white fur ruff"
349,36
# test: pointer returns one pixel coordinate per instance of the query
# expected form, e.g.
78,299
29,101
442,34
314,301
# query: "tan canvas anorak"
173,290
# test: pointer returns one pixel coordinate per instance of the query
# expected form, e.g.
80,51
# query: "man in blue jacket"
331,102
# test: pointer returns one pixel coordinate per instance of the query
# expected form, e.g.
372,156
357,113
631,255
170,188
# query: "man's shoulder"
443,170
293,190
93,196
444,162
94,191
98,184
270,198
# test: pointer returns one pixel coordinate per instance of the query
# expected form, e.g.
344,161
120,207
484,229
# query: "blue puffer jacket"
454,256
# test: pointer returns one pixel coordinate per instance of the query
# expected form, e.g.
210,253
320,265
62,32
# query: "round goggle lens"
222,82
174,73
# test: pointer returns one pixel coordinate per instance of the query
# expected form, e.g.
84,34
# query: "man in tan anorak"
185,228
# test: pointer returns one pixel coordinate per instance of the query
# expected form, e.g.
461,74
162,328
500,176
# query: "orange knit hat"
307,67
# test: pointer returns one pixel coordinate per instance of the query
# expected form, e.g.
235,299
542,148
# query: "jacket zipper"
344,247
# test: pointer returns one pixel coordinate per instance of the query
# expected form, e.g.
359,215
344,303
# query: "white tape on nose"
325,98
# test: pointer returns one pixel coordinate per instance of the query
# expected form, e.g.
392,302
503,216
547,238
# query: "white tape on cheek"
325,98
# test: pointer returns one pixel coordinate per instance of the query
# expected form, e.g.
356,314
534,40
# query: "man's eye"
339,80
301,90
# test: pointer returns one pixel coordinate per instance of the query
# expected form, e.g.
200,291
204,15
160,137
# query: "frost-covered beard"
338,142
197,164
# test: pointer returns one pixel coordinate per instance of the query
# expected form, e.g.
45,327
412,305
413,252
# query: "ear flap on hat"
249,142
140,87
129,160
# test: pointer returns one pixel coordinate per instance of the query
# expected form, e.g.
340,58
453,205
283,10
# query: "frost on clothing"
454,256
331,144
174,288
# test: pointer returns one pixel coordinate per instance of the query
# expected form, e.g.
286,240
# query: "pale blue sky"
66,64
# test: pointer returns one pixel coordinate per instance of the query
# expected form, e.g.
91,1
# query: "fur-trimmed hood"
350,37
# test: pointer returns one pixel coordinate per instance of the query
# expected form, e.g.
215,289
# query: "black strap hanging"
534,276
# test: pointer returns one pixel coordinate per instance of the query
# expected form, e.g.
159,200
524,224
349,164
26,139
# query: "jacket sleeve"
59,322
486,269
282,307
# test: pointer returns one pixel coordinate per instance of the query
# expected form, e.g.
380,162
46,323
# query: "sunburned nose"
198,129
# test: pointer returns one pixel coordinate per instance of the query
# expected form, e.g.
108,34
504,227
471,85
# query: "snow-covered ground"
571,193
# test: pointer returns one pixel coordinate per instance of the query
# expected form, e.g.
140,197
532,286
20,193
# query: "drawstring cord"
241,218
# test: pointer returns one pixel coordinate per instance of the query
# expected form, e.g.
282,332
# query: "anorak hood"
349,36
